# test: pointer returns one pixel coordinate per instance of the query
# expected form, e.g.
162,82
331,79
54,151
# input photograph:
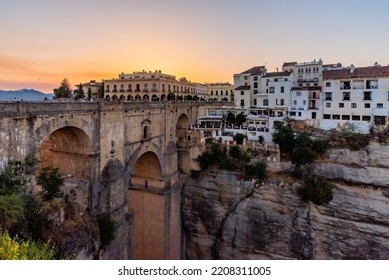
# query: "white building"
305,101
357,95
247,85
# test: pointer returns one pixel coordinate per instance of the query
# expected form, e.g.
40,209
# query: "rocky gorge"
225,217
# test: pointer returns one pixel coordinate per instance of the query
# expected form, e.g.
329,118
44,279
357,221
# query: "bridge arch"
182,127
69,148
111,185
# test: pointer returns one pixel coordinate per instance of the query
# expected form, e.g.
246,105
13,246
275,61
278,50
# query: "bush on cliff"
317,190
107,231
51,181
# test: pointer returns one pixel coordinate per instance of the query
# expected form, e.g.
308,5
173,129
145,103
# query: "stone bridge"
126,152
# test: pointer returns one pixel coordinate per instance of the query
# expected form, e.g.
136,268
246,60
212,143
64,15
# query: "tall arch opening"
147,172
148,205
183,139
69,149
182,127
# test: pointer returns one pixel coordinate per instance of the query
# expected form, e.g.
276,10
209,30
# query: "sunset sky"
41,42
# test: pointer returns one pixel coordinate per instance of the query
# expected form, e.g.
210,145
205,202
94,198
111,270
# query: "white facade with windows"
356,95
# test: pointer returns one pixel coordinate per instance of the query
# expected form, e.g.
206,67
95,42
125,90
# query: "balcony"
314,96
115,90
328,99
122,90
107,90
129,90
313,108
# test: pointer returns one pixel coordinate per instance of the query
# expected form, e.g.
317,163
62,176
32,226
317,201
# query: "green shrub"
239,138
261,139
107,231
316,189
228,164
195,173
11,210
255,171
51,181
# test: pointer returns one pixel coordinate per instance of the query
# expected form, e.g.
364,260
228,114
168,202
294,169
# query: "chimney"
352,68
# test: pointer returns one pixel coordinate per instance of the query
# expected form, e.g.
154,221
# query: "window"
326,117
211,92
255,102
341,105
255,84
294,102
271,89
366,118
353,105
282,102
242,102
242,92
255,78
266,102
336,117
356,118
292,114
380,105
346,117
245,77
313,115
346,96
299,113
285,79
304,102
298,93
255,91
282,89
328,105
145,132
367,95
328,84
216,92
328,95
367,105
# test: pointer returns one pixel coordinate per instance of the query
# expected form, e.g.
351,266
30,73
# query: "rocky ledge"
224,218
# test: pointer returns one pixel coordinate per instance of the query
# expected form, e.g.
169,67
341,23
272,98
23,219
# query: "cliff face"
224,218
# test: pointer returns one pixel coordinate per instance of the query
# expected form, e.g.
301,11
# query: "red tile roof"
257,70
359,72
286,64
243,88
278,74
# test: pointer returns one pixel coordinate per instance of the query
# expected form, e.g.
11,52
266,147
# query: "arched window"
266,102
145,130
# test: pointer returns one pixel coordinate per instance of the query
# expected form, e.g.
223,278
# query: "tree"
230,117
51,180
283,136
11,210
89,94
101,91
239,138
303,152
240,119
79,92
64,90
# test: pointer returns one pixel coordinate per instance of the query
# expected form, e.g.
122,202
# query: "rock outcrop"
368,166
225,218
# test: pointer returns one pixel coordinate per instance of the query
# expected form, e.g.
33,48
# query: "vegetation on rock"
51,181
235,160
317,190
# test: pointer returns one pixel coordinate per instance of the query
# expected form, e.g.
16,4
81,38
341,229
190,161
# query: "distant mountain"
25,94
